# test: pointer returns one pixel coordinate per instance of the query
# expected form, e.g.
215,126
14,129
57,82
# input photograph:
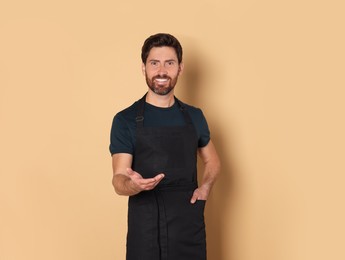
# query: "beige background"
269,76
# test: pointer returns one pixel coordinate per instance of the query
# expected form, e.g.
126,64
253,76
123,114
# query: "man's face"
162,70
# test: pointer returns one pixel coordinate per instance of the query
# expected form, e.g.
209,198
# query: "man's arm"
209,156
128,182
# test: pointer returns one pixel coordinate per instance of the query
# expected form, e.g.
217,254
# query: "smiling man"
154,147
162,69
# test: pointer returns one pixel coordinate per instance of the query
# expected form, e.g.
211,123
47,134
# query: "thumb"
194,198
133,174
130,171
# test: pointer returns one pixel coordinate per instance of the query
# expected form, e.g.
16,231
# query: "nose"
162,70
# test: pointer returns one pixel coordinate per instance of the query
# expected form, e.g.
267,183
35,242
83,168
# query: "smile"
161,80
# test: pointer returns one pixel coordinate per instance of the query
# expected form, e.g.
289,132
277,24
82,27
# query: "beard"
161,89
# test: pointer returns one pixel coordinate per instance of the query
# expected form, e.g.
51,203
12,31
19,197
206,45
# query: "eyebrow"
164,61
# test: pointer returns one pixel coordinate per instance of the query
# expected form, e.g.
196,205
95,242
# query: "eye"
170,63
154,63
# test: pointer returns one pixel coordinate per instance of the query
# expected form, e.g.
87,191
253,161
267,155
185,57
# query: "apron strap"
140,112
184,112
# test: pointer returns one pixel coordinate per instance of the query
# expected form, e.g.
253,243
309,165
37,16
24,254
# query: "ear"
181,67
143,69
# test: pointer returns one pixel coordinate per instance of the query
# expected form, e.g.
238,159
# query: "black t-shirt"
123,131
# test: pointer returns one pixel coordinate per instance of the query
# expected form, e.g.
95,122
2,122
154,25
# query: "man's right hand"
138,183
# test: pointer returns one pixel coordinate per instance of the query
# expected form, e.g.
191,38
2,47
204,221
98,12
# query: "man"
154,147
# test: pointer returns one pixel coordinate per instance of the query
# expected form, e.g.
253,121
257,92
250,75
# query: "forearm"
211,167
122,181
211,172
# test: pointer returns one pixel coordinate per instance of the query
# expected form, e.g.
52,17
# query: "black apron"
162,223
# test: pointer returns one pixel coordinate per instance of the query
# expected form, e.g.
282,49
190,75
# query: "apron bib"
162,223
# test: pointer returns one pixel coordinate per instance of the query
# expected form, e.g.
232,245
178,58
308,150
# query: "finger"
149,184
159,177
154,181
194,198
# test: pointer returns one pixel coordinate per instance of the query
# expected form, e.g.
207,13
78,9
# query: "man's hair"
161,40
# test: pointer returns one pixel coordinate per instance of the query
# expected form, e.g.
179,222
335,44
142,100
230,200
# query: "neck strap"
140,111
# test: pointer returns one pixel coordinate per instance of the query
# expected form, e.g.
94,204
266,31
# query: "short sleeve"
201,126
120,136
204,131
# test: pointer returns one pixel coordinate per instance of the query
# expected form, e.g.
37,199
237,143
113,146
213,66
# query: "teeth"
161,80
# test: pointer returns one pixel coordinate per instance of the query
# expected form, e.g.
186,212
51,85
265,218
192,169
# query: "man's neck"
160,100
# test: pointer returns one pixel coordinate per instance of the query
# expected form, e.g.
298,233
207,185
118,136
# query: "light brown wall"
269,76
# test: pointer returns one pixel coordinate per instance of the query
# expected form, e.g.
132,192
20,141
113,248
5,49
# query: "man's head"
162,62
161,40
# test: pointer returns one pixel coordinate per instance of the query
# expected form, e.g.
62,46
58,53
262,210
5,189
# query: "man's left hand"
200,193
